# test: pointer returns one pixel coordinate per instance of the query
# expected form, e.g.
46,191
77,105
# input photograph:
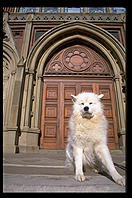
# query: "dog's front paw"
80,177
121,181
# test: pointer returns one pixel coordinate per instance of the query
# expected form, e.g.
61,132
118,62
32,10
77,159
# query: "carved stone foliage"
77,59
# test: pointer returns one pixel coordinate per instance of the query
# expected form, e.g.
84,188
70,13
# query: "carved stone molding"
77,59
55,66
97,67
93,17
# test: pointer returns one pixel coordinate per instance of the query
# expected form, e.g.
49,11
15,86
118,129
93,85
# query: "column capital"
21,62
31,71
116,77
39,76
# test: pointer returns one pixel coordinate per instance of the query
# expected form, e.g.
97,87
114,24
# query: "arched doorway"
71,70
43,52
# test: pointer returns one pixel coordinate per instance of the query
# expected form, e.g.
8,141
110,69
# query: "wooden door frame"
97,81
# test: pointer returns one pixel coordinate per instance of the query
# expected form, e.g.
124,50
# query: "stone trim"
30,130
10,128
89,17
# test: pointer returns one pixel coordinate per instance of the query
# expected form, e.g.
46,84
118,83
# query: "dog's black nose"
86,108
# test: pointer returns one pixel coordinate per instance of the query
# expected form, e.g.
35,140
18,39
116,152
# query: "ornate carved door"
73,70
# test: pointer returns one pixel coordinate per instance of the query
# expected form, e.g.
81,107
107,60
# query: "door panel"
57,109
49,121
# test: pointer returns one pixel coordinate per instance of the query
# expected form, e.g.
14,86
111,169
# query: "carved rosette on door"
70,71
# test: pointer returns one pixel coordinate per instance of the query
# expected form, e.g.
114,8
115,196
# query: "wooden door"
57,109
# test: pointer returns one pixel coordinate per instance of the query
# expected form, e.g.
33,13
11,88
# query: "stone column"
28,141
38,101
28,105
24,53
27,34
25,92
8,91
8,134
120,110
11,137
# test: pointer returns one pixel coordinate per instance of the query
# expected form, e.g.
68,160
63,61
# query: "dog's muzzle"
86,113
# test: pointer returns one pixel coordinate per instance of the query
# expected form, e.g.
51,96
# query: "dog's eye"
82,103
90,103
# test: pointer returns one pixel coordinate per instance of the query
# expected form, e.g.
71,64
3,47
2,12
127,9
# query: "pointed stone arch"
86,33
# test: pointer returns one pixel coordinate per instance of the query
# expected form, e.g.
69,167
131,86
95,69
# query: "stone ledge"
92,17
30,130
28,149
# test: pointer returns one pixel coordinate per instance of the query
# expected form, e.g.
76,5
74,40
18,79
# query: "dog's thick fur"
87,136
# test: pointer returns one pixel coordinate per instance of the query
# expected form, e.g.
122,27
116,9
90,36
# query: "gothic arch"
47,44
87,32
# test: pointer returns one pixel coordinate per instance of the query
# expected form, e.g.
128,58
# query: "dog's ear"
100,96
73,98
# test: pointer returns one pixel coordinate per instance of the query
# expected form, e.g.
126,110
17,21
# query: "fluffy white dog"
87,136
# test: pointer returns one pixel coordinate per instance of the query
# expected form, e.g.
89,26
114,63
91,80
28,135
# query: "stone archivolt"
77,59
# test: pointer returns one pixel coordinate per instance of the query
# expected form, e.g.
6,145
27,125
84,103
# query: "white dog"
87,137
